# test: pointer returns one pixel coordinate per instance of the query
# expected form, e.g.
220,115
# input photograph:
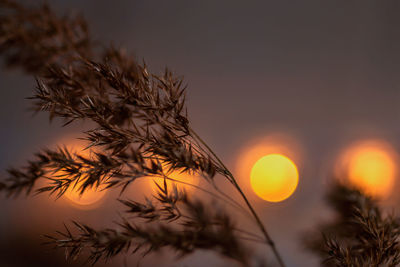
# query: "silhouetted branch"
196,227
141,129
360,234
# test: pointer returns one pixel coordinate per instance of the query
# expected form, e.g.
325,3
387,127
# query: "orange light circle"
252,152
370,166
274,177
92,196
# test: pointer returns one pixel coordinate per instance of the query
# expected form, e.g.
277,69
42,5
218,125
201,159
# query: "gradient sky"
322,72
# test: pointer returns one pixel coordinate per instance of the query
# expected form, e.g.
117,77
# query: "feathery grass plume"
196,227
141,130
360,235
31,38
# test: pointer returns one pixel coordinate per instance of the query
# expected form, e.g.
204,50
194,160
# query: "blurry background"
321,74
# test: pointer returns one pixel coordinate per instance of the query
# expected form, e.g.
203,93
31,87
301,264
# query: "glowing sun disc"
274,177
90,197
371,167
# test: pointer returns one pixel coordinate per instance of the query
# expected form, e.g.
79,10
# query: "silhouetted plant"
141,130
360,234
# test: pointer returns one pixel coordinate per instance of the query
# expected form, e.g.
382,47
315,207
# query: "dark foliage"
196,227
34,38
360,235
141,130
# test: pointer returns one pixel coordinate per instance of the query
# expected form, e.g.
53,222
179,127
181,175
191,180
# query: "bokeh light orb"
256,148
371,167
274,177
93,196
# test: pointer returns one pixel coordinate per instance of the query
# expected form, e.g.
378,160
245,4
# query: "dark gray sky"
323,72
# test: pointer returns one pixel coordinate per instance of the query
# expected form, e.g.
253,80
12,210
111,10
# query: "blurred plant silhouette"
141,131
360,234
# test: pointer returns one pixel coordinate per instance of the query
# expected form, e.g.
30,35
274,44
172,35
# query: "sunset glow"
89,198
92,196
371,167
274,177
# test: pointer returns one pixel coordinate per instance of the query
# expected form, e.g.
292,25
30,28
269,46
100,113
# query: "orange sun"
267,166
92,196
371,167
274,177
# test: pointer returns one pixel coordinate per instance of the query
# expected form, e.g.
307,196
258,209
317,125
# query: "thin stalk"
268,239
259,238
228,200
252,240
